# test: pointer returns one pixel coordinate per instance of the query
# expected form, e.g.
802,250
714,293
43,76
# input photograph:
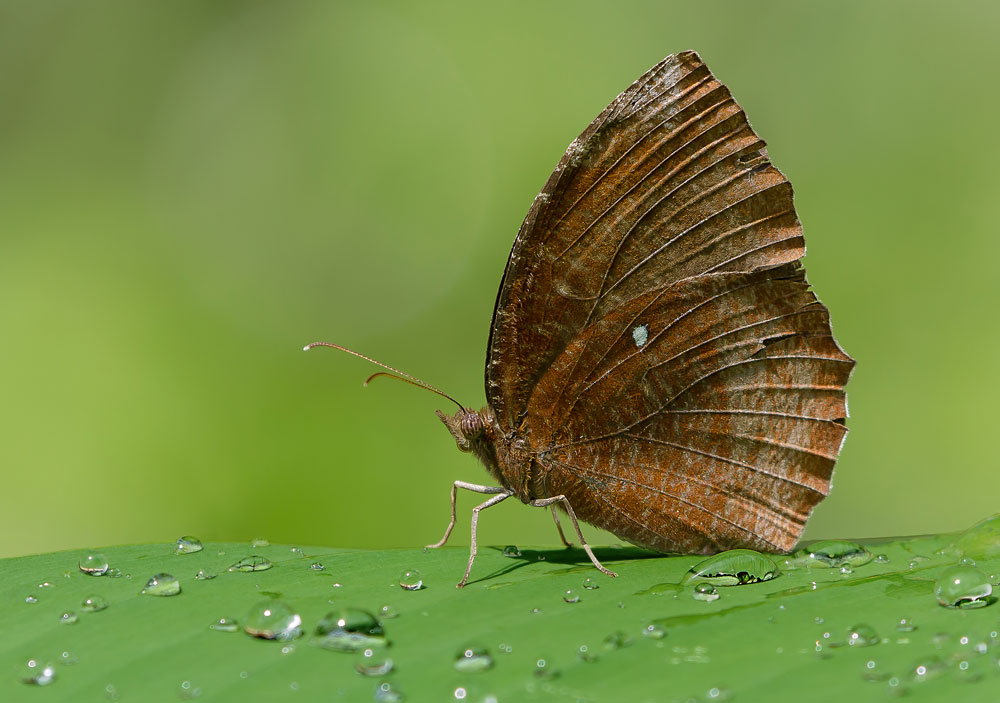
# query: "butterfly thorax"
507,458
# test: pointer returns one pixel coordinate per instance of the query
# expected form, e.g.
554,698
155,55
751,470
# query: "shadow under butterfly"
657,365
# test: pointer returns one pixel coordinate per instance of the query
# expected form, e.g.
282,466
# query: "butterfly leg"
555,519
475,522
543,502
475,488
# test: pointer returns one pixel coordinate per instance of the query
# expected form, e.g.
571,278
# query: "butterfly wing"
654,337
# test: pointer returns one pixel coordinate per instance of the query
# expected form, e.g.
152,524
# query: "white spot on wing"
640,334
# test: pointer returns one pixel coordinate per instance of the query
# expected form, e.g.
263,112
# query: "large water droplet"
273,620
411,580
963,587
349,630
68,618
225,625
251,563
37,672
473,659
162,585
188,545
706,592
94,564
862,635
511,551
735,567
833,553
385,692
93,604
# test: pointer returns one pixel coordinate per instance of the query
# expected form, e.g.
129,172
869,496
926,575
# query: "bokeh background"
191,191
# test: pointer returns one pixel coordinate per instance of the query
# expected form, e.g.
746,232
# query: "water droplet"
94,564
963,587
94,604
917,561
473,659
188,545
571,596
162,585
460,693
369,666
251,563
616,640
846,570
67,659
544,670
203,575
386,693
273,620
590,584
46,584
882,559
259,542
37,672
316,566
982,540
225,625
705,591
655,631
927,669
966,561
873,672
114,573
905,625
862,635
511,551
734,567
297,551
388,612
411,580
832,553
31,600
188,691
718,694
349,630
68,618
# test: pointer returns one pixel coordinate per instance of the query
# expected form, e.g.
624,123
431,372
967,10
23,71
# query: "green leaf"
776,640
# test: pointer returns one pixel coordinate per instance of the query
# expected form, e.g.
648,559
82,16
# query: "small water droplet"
162,585
93,604
388,612
316,566
544,670
882,559
368,665
590,584
862,635
46,584
831,553
203,575
571,596
963,587
846,570
905,625
705,591
655,631
114,573
349,630
68,618
718,695
297,551
584,654
734,567
871,671
505,648
273,620
67,659
188,691
916,561
259,542
473,659
386,693
31,600
188,545
536,611
224,624
411,580
511,551
251,563
37,672
460,693
94,564
966,561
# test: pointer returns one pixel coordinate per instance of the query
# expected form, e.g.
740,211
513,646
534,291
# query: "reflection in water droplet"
225,625
473,659
963,587
571,596
251,563
31,600
273,620
734,567
259,542
349,630
93,604
162,585
511,551
862,635
316,566
832,553
905,625
590,584
94,564
654,631
188,691
882,559
37,672
188,545
706,592
68,618
386,693
411,580
203,575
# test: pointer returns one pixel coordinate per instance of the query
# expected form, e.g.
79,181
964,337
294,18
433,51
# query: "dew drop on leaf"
94,604
251,563
94,564
411,580
511,551
162,585
349,630
273,620
188,545
963,587
705,592
224,624
473,659
37,672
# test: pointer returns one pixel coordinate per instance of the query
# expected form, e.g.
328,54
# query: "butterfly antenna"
396,373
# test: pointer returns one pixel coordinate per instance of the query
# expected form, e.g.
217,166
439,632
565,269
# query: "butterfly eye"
472,425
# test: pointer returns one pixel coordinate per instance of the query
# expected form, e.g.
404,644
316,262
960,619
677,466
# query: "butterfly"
657,364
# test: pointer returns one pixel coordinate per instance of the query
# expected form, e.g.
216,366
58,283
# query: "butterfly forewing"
655,340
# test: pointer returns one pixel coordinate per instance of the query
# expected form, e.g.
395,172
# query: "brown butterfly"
657,365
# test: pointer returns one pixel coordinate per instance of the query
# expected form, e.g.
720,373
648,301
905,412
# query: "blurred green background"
191,191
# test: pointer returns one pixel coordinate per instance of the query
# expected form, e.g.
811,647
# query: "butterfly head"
467,427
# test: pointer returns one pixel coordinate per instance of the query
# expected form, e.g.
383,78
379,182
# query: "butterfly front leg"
555,519
550,502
